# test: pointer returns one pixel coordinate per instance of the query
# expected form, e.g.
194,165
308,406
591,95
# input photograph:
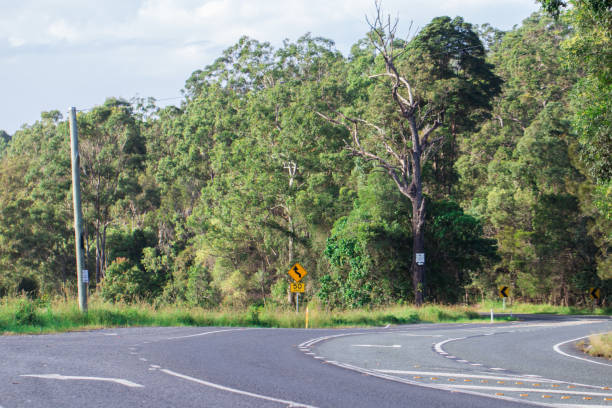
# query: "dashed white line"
236,391
204,334
74,377
377,345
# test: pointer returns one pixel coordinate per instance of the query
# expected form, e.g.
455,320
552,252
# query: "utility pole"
82,276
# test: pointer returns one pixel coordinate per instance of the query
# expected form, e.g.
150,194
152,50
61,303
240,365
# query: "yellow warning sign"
298,287
504,291
595,293
297,272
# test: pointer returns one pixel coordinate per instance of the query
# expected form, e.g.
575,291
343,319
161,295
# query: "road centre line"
533,390
557,348
204,333
235,391
74,377
377,345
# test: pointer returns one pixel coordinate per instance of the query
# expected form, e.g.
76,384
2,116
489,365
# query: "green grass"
23,316
528,308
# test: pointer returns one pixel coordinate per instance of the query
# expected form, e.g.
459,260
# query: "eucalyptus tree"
35,206
415,91
112,151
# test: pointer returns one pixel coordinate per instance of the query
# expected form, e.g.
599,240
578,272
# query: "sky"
55,54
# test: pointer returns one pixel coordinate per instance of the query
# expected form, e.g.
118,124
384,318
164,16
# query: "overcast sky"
60,53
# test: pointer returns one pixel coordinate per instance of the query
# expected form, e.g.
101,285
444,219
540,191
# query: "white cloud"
62,31
150,47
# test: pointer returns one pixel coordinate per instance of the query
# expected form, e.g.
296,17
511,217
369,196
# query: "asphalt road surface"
517,364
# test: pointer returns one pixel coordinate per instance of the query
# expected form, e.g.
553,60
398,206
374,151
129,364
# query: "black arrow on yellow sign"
503,291
595,293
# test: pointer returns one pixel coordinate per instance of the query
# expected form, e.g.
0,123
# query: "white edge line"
557,348
434,386
518,389
438,346
234,390
461,375
73,377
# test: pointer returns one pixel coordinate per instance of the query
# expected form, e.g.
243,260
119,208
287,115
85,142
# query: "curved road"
427,365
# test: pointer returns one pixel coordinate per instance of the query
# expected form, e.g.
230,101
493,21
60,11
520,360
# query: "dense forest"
489,151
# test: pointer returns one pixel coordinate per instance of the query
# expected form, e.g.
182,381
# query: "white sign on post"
420,258
85,275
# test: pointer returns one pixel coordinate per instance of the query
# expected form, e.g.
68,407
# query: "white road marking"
74,377
235,391
376,345
517,389
142,359
461,375
497,369
557,348
110,334
204,334
405,380
438,346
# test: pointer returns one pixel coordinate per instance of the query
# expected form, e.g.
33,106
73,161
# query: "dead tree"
406,146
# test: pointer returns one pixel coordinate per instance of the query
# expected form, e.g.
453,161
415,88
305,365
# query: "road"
515,364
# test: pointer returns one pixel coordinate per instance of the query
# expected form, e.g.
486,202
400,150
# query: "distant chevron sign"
503,291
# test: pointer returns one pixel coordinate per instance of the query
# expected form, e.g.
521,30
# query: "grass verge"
528,308
23,316
599,345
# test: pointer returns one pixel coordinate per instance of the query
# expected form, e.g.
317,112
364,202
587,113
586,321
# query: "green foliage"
208,204
127,282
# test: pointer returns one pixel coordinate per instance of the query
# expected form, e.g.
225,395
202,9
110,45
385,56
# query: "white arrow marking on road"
376,345
74,377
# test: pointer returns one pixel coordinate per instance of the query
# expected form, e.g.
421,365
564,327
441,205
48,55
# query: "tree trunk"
98,265
418,247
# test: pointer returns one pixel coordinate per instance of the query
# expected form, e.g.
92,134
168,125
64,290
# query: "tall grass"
600,345
21,315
